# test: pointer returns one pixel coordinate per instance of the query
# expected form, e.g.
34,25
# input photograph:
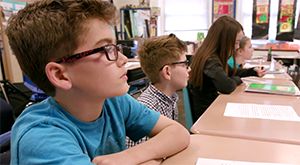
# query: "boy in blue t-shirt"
68,50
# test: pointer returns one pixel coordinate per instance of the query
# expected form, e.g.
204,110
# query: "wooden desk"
213,122
240,90
277,76
266,65
214,147
281,76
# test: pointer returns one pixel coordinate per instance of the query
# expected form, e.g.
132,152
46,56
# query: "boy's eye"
109,49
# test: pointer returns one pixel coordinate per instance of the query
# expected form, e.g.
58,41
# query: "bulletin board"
286,20
223,7
260,19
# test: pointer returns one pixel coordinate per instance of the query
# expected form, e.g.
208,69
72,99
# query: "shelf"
145,8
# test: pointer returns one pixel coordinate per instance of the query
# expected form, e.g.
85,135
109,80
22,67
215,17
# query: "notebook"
273,89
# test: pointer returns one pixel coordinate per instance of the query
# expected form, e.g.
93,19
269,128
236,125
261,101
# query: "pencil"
260,64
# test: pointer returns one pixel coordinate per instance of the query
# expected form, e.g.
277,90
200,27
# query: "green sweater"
231,63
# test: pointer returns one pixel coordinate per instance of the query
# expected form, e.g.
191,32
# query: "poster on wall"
223,7
286,20
11,7
262,12
260,19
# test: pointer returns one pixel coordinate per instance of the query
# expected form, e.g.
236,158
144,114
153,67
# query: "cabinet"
135,22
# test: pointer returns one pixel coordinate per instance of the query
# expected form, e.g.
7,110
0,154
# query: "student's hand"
153,162
260,72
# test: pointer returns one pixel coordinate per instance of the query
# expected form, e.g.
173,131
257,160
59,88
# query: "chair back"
187,107
4,137
38,95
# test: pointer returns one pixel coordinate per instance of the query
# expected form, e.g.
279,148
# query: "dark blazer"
215,80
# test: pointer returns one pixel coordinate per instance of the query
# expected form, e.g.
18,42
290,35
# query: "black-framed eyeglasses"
111,52
186,62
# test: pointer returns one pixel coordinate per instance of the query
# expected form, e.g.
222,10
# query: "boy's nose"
122,60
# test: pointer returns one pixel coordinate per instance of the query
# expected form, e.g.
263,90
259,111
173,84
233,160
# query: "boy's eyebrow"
104,40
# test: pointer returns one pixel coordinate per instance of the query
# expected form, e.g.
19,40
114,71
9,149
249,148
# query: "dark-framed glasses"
186,62
111,52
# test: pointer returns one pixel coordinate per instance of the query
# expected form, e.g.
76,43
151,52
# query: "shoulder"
212,62
37,122
230,62
213,59
35,144
151,97
35,114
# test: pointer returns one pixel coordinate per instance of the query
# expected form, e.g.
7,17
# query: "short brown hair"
158,51
50,29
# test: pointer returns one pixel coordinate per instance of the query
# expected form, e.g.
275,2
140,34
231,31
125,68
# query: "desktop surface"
215,147
213,121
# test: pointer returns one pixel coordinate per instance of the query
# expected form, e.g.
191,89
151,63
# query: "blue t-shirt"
231,63
46,133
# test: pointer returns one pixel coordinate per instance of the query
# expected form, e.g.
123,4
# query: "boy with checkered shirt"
163,60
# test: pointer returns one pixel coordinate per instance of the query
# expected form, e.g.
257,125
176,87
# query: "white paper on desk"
204,161
272,112
254,80
269,76
248,65
131,63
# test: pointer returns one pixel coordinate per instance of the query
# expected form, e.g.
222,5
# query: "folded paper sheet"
259,111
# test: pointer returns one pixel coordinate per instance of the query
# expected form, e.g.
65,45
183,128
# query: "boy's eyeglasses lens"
112,51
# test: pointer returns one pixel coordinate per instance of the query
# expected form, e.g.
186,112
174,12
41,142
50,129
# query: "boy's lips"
124,75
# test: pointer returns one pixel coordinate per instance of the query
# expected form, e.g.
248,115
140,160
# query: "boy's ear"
166,72
58,76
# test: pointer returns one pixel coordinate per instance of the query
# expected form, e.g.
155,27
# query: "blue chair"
38,95
187,107
4,137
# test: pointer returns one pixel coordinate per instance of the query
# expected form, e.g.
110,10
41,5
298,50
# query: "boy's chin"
122,91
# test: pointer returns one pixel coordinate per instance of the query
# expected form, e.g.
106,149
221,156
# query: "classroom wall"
16,70
120,3
10,64
17,74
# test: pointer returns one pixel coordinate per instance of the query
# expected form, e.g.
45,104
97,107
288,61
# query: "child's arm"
168,138
153,162
224,83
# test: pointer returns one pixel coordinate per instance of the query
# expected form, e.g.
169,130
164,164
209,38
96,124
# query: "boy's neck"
165,88
83,108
